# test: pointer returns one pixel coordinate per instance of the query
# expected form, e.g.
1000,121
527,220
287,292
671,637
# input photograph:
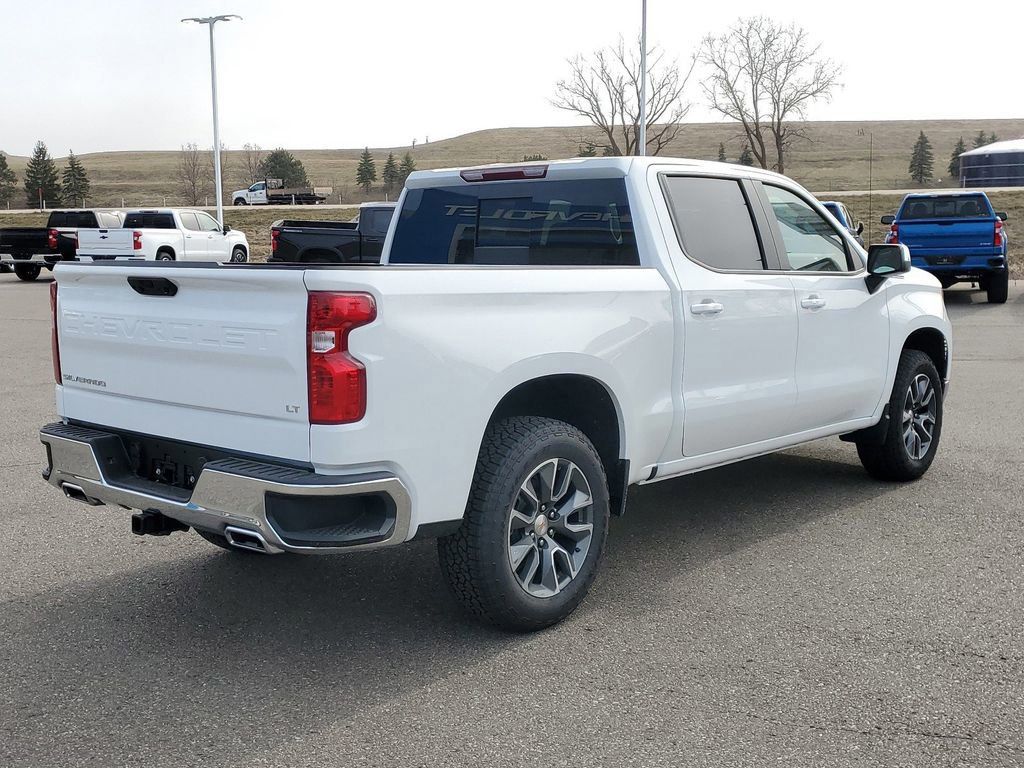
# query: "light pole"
211,21
642,149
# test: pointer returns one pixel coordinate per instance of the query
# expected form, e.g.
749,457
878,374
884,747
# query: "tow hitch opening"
149,522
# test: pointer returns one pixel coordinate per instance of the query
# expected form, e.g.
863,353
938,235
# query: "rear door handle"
812,302
706,307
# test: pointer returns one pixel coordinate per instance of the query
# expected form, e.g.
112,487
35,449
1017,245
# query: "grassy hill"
835,157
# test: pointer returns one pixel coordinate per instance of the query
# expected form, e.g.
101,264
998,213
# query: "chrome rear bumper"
84,463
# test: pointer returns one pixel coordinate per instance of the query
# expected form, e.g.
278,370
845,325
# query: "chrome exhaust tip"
76,493
249,540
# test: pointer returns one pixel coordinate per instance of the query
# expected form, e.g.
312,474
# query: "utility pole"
642,148
211,21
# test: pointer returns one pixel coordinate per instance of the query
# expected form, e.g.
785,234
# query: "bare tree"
605,89
764,76
252,160
194,173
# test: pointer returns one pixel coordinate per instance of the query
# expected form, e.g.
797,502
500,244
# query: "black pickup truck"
29,250
333,242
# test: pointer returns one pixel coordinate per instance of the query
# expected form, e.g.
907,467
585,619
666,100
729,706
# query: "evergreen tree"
587,149
608,152
282,164
721,152
407,166
921,160
746,156
8,182
533,158
390,173
992,138
41,174
954,159
980,140
366,171
76,181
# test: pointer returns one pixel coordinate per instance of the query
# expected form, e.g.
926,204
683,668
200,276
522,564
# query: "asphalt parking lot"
783,611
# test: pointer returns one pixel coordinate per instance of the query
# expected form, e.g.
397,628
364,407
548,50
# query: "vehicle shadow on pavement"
219,656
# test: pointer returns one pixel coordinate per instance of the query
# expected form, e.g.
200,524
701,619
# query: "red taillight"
275,233
894,234
510,173
54,345
997,238
337,381
136,240
51,239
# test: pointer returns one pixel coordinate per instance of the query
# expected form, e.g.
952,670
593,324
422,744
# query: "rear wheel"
27,272
535,525
998,287
164,256
238,255
915,423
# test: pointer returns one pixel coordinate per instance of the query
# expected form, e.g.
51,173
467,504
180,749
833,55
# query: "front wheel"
998,287
240,201
915,423
535,525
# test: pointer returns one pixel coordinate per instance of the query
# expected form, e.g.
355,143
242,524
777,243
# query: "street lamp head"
211,20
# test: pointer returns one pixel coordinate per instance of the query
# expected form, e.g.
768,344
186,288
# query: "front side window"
713,222
583,222
812,243
207,223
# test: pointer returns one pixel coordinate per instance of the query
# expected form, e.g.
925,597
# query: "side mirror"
885,260
888,219
860,227
226,229
1002,215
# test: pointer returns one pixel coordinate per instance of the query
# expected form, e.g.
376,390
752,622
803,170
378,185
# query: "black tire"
998,287
164,256
891,459
476,560
238,255
27,272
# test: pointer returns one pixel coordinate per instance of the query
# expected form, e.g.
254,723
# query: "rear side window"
713,222
540,223
947,207
375,221
149,221
189,221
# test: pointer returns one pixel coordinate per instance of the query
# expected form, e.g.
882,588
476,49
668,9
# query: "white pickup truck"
169,234
537,339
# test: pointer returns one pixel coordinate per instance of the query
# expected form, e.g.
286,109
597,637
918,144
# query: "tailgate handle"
153,286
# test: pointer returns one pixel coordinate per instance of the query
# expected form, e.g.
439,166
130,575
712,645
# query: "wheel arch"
166,249
933,343
584,402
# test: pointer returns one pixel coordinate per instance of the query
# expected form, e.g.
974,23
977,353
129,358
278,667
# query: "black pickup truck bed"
332,242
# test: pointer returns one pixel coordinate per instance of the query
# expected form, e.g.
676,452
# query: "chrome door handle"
706,307
812,302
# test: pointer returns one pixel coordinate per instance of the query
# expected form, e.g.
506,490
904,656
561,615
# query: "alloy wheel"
919,413
550,528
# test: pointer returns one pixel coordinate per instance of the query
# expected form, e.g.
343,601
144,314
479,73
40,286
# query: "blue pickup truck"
957,237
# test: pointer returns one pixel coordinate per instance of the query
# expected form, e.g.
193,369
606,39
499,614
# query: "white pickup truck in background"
536,339
169,234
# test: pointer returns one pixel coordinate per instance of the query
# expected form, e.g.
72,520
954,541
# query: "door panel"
738,362
844,349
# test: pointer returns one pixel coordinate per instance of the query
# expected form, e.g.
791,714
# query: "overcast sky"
126,74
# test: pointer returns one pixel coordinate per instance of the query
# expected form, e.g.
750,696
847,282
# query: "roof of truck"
579,168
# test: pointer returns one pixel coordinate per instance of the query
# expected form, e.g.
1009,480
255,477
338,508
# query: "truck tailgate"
952,235
112,243
221,362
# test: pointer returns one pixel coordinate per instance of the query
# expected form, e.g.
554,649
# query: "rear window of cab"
583,222
946,207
